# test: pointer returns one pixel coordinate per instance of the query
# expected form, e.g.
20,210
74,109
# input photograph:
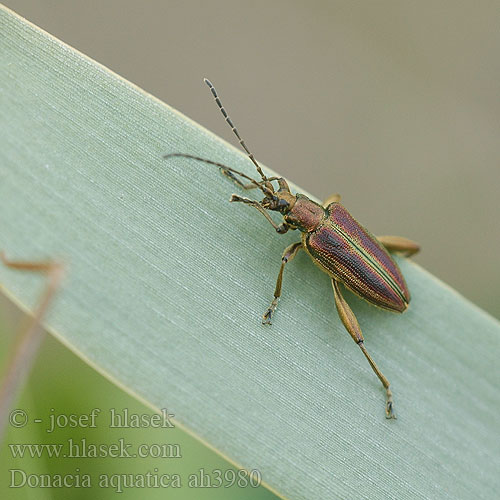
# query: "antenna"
233,128
229,172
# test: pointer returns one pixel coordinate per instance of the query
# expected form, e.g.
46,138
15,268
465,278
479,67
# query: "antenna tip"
208,82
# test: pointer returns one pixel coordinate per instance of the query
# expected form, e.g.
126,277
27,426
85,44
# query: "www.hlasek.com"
81,448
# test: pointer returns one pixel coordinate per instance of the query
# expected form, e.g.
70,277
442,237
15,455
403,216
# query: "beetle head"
280,201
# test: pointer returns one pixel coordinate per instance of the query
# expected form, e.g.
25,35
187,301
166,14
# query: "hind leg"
352,326
334,198
398,244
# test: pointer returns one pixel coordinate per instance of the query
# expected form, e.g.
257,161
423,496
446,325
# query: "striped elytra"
345,250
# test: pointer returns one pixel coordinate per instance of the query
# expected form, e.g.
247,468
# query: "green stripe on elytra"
389,279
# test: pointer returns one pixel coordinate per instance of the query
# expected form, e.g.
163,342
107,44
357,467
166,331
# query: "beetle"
336,242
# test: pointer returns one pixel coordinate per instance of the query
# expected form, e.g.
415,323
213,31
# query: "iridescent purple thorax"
306,215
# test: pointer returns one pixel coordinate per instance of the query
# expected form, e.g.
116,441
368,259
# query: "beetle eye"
283,205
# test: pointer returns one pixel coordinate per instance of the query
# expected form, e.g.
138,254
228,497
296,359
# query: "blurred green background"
394,104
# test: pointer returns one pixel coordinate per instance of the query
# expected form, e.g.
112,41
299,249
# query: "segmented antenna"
229,172
233,128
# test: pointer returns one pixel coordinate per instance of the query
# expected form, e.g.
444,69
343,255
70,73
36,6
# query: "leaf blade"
167,282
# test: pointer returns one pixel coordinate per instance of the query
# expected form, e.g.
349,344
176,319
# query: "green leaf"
167,282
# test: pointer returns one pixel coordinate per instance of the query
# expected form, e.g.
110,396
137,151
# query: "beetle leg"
334,198
281,228
289,253
231,175
352,326
237,181
399,244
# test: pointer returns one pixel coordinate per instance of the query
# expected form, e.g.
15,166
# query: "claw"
389,406
388,411
266,318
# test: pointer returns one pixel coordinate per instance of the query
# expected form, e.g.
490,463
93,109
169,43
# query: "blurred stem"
24,351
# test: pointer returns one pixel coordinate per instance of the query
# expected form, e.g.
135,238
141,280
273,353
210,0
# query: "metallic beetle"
336,243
